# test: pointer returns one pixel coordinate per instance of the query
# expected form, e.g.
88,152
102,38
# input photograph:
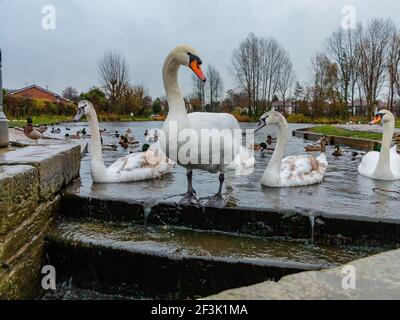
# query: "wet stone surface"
57,165
126,260
18,195
343,194
377,278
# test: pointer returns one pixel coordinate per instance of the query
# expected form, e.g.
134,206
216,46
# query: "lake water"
344,191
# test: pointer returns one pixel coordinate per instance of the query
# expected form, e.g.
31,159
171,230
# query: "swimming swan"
179,123
135,167
384,165
292,171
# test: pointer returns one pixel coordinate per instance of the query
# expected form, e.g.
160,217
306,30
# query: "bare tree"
341,48
286,78
214,86
198,91
324,88
246,65
272,59
113,73
70,93
393,66
256,66
372,47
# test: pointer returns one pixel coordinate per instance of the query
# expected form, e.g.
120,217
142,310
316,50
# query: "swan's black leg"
190,196
218,201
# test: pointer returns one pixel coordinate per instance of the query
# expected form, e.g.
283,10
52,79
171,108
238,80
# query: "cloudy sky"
145,31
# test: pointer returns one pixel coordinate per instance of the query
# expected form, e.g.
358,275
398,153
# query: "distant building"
285,108
39,93
360,107
240,109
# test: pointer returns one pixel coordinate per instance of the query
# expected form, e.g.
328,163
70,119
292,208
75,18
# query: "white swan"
384,165
202,150
135,167
292,171
244,162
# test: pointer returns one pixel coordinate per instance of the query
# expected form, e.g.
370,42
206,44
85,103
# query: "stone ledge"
21,278
57,164
19,195
337,140
377,278
12,242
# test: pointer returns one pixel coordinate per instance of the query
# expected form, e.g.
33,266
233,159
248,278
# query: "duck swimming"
320,145
337,152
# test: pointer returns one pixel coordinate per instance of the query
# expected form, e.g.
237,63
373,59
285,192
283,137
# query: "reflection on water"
343,192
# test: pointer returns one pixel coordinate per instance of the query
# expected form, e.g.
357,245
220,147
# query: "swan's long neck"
383,168
274,166
96,151
177,110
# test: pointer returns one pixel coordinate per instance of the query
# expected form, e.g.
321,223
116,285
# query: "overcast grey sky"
145,31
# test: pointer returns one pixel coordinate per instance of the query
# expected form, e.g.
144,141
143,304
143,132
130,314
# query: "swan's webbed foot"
189,199
190,196
216,201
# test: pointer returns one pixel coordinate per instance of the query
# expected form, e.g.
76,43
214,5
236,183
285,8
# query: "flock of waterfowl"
160,157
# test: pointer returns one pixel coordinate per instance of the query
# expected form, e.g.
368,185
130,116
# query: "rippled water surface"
344,191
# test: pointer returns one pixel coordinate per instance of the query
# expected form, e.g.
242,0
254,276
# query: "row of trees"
207,96
262,69
363,64
116,94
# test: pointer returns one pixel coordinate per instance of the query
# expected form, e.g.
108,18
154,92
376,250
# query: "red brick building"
38,93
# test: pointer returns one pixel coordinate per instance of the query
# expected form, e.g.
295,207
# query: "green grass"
397,123
334,131
48,119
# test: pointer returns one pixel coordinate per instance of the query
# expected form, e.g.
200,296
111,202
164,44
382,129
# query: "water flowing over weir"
133,240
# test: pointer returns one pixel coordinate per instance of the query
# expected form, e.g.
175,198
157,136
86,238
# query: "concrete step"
169,263
297,223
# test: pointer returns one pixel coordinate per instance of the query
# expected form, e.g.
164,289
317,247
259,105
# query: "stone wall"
30,179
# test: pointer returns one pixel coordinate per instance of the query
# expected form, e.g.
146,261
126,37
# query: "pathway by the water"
364,127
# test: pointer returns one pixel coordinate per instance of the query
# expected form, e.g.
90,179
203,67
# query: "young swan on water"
151,164
384,165
292,171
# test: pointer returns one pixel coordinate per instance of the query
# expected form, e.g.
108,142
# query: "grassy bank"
334,131
48,119
52,119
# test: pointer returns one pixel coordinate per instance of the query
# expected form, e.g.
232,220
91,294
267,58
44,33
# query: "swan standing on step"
135,167
292,171
384,165
198,154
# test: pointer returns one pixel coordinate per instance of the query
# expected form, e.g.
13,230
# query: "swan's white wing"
395,162
244,160
368,163
303,170
140,166
219,129
205,120
133,161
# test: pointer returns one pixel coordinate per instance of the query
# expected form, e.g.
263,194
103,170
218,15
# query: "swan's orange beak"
195,66
377,119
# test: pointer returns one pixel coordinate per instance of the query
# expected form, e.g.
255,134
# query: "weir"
132,241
